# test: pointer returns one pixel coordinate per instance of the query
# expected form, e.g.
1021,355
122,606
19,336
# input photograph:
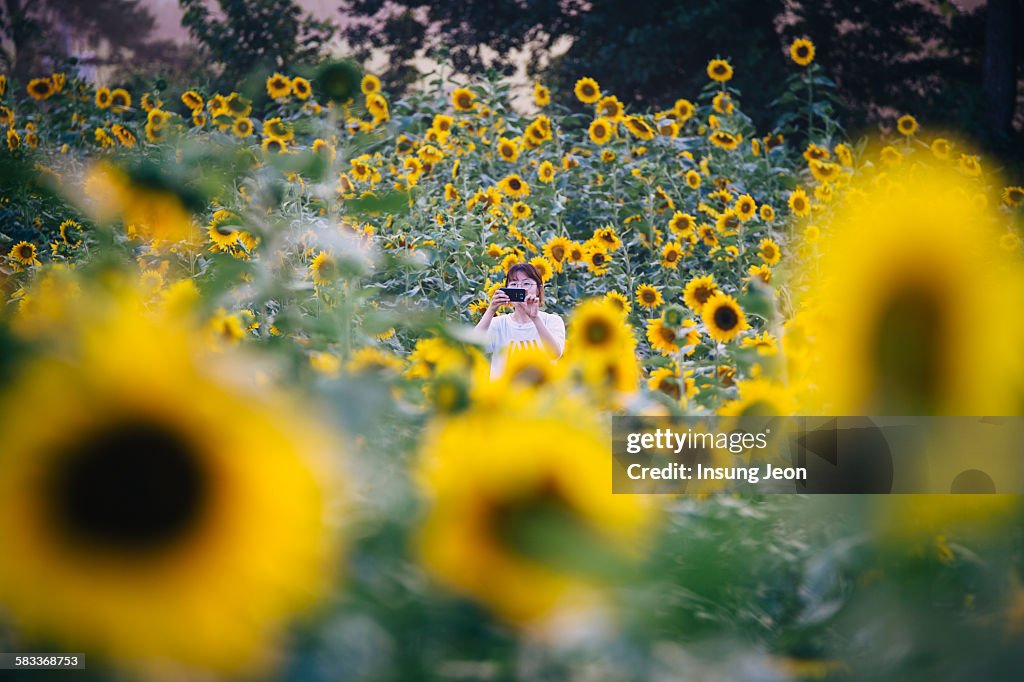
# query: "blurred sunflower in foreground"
913,303
176,517
522,517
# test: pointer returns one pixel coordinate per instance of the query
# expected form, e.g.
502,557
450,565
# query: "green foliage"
255,35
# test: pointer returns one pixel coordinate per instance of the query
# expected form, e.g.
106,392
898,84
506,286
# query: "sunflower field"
249,432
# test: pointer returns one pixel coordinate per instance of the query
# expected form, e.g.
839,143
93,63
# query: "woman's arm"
546,337
499,299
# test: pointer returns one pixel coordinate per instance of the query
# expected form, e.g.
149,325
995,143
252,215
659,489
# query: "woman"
527,325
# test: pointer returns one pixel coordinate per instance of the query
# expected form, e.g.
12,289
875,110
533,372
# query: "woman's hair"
531,272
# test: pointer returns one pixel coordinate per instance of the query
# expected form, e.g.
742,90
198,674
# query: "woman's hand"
499,299
531,306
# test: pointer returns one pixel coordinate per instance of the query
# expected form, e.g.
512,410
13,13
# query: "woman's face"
521,280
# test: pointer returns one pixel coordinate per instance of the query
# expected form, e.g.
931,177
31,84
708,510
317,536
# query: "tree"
929,57
255,34
39,34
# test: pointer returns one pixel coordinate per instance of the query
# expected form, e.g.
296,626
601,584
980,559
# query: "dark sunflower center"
558,252
667,334
909,354
133,487
464,101
703,294
598,259
802,52
726,318
25,252
670,388
598,332
671,256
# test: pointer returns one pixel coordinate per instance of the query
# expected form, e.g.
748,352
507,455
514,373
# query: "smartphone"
517,295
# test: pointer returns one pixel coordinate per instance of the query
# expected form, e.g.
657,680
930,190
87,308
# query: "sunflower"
597,327
156,524
463,99
242,127
272,145
648,296
301,88
514,186
727,223
607,238
223,229
13,139
192,99
600,131
802,51
719,70
762,272
543,266
823,171
970,164
671,255
667,381
799,203
662,337
639,128
906,125
619,301
324,269
413,168
1013,196
597,260
479,536
40,88
683,110
557,251
940,148
276,129
1009,241
24,253
369,84
521,211
546,172
508,150
70,233
764,343
693,179
769,251
723,317
760,398
576,253
237,105
745,207
102,98
610,107
278,86
767,213
587,90
530,365
377,105
724,140
541,95
890,156
889,327
699,291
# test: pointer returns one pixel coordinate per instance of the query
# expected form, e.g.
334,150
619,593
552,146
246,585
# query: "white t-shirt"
503,332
